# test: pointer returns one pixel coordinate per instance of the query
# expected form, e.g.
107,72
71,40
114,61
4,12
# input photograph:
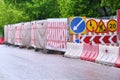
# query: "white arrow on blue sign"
77,25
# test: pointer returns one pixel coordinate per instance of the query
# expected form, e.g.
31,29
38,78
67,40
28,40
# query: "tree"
111,5
78,8
10,15
14,11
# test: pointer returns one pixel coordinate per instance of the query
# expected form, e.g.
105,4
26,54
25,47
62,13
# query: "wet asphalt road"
24,64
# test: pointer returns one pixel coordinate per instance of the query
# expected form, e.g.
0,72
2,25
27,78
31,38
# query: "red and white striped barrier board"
107,54
95,39
73,50
56,34
90,52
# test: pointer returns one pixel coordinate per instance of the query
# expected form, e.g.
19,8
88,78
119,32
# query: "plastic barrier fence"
117,63
95,53
90,52
73,50
107,54
52,34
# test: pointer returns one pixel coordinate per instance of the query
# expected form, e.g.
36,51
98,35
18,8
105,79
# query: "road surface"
24,64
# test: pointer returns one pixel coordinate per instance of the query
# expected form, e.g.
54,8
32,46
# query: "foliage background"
15,11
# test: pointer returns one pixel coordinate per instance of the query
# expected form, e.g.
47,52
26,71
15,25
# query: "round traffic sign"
112,25
77,25
91,25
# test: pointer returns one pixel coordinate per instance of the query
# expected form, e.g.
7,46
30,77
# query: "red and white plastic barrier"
107,54
104,54
73,50
1,40
117,63
90,52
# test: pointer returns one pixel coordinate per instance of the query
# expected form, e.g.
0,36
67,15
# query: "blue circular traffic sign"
77,25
